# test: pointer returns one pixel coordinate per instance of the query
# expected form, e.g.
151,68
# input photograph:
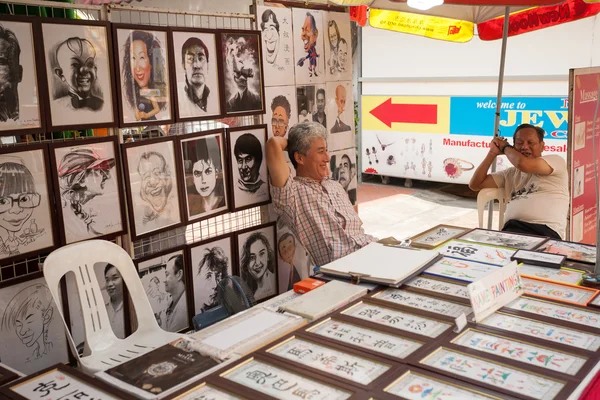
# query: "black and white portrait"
153,192
89,185
258,260
33,334
163,278
19,105
204,165
275,24
211,261
342,164
250,183
144,76
242,73
309,57
294,263
340,115
26,209
79,73
281,110
197,74
311,102
338,47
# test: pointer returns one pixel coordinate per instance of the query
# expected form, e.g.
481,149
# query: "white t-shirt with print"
538,199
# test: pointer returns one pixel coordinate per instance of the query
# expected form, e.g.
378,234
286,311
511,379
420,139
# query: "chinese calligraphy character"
325,360
259,377
299,352
463,251
369,312
305,393
280,385
46,388
350,369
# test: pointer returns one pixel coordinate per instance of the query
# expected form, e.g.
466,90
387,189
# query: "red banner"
537,18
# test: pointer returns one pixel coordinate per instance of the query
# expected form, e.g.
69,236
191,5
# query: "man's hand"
278,167
496,145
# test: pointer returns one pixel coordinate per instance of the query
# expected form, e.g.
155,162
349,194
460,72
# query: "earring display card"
539,258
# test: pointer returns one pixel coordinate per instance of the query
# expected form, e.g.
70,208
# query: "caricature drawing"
212,268
333,34
157,184
11,74
309,36
153,290
29,314
18,199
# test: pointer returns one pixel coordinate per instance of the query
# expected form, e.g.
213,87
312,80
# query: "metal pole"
358,65
499,101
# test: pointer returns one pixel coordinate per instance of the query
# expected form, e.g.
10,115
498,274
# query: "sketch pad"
382,264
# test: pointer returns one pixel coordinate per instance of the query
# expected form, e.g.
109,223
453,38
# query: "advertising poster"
583,103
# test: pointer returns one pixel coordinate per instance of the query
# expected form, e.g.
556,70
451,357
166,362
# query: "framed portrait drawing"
210,261
89,195
249,183
342,164
205,168
275,24
20,111
78,74
43,343
152,186
27,224
437,235
164,277
504,239
309,56
194,61
142,71
311,101
281,110
243,82
340,115
338,46
257,260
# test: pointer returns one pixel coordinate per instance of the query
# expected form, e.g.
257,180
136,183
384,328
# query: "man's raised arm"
278,167
481,179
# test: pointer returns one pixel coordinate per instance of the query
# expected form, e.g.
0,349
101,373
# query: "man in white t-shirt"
536,187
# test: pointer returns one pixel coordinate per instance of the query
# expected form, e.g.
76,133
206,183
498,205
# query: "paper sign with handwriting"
495,290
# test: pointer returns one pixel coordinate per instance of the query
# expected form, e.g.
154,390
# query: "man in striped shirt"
314,205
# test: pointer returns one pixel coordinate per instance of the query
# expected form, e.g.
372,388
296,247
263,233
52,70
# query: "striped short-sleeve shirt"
322,216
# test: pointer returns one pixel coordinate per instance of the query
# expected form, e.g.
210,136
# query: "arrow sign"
387,113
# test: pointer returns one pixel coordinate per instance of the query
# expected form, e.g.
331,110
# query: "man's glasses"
25,200
278,122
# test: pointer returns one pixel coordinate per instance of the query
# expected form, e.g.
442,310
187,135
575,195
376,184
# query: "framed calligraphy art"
438,286
204,391
477,252
436,236
504,239
595,302
563,275
539,258
572,294
421,302
574,251
505,378
61,381
461,270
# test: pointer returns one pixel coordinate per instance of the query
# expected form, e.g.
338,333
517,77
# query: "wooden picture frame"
27,168
63,373
564,293
477,252
203,390
7,375
240,56
201,255
448,289
249,182
504,239
150,269
153,195
459,269
436,236
207,74
405,299
258,234
542,259
153,102
64,101
192,153
94,165
580,252
30,119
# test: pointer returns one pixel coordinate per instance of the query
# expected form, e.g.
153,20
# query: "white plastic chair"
487,195
103,349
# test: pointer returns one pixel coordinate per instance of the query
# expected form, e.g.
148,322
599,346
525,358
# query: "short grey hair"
302,136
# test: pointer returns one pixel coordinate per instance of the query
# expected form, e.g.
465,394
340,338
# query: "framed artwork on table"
574,251
436,236
504,239
249,181
480,253
7,375
27,224
165,280
351,368
206,391
542,259
558,292
438,287
552,333
20,111
243,81
503,377
204,166
61,381
461,270
194,59
90,199
143,75
422,302
403,321
210,261
257,260
78,74
563,275
152,186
